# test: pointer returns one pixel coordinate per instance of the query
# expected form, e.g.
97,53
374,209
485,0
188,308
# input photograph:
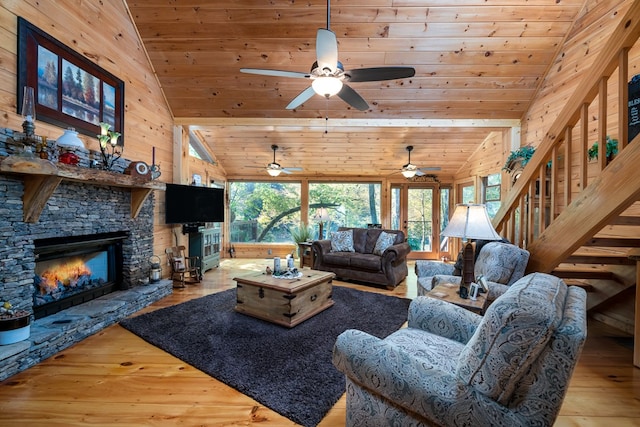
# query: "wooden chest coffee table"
449,292
286,302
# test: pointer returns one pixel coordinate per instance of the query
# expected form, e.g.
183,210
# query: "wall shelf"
42,177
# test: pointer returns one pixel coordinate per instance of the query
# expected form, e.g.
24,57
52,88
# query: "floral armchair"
502,264
451,367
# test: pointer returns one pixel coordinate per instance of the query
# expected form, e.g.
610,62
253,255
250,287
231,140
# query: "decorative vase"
15,329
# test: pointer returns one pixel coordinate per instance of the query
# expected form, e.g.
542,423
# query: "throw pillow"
342,241
384,241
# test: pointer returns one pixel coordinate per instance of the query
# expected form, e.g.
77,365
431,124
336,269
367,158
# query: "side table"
449,292
307,257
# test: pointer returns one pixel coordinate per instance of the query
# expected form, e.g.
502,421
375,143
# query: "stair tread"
586,286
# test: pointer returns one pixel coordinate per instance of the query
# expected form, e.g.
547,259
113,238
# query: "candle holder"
110,152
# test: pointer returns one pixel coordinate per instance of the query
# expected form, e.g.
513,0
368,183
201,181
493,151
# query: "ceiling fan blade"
327,49
352,98
379,73
291,170
276,73
301,98
432,168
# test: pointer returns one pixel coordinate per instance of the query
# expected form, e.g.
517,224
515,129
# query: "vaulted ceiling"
478,65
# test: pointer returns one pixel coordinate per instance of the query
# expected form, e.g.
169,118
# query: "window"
491,193
468,194
263,211
197,150
345,204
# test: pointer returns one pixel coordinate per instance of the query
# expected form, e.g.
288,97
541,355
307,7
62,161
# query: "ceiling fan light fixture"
409,170
327,86
274,169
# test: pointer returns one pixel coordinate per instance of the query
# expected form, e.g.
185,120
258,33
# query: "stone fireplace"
86,244
74,211
73,270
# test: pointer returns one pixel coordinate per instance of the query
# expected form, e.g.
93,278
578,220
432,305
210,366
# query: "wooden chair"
184,269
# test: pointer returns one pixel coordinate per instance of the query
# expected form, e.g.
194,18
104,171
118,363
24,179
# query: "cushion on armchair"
515,329
501,263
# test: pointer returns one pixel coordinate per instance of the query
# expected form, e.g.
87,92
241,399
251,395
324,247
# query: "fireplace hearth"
73,270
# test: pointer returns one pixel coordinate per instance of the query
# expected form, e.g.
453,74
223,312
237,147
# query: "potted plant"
301,233
15,325
612,149
520,156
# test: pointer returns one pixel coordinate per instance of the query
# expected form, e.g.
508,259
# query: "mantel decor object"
27,139
15,325
110,151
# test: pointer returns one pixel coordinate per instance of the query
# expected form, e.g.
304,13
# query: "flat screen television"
186,204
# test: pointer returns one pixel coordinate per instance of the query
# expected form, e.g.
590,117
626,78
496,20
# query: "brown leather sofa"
388,269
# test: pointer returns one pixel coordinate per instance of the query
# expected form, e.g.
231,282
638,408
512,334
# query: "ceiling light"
409,170
274,169
327,86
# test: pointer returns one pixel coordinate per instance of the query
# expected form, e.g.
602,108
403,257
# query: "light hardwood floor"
116,378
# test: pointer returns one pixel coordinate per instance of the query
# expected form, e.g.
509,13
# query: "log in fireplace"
76,269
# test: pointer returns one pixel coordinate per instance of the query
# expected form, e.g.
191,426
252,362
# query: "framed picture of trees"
70,90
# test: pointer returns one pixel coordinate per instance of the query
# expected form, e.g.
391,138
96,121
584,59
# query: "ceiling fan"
328,76
274,169
410,170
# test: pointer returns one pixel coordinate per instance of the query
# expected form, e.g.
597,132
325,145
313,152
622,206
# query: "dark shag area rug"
287,370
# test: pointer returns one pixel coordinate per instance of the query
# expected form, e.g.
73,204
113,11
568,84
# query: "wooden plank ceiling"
478,65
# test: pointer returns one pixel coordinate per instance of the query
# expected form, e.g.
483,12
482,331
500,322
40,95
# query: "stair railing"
544,188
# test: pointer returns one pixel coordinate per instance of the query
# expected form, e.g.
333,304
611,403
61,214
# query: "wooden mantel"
42,177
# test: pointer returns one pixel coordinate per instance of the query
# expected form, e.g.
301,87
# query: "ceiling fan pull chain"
326,116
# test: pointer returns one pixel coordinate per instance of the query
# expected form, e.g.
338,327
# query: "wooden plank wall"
103,32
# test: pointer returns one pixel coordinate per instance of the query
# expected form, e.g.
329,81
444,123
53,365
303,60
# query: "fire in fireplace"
73,270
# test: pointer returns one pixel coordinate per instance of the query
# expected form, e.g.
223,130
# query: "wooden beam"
194,122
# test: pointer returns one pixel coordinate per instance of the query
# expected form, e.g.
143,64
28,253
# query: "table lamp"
321,216
469,221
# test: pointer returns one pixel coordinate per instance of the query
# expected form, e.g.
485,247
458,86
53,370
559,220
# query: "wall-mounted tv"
186,204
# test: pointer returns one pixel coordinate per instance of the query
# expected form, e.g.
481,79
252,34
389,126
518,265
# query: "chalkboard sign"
634,107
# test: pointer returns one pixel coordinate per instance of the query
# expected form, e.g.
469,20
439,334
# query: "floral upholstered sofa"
452,367
370,255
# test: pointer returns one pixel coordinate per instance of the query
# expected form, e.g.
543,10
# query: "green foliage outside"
270,211
253,206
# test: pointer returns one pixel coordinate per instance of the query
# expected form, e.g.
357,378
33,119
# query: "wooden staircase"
587,230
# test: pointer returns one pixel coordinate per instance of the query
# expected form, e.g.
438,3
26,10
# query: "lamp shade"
322,215
471,221
70,139
28,104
